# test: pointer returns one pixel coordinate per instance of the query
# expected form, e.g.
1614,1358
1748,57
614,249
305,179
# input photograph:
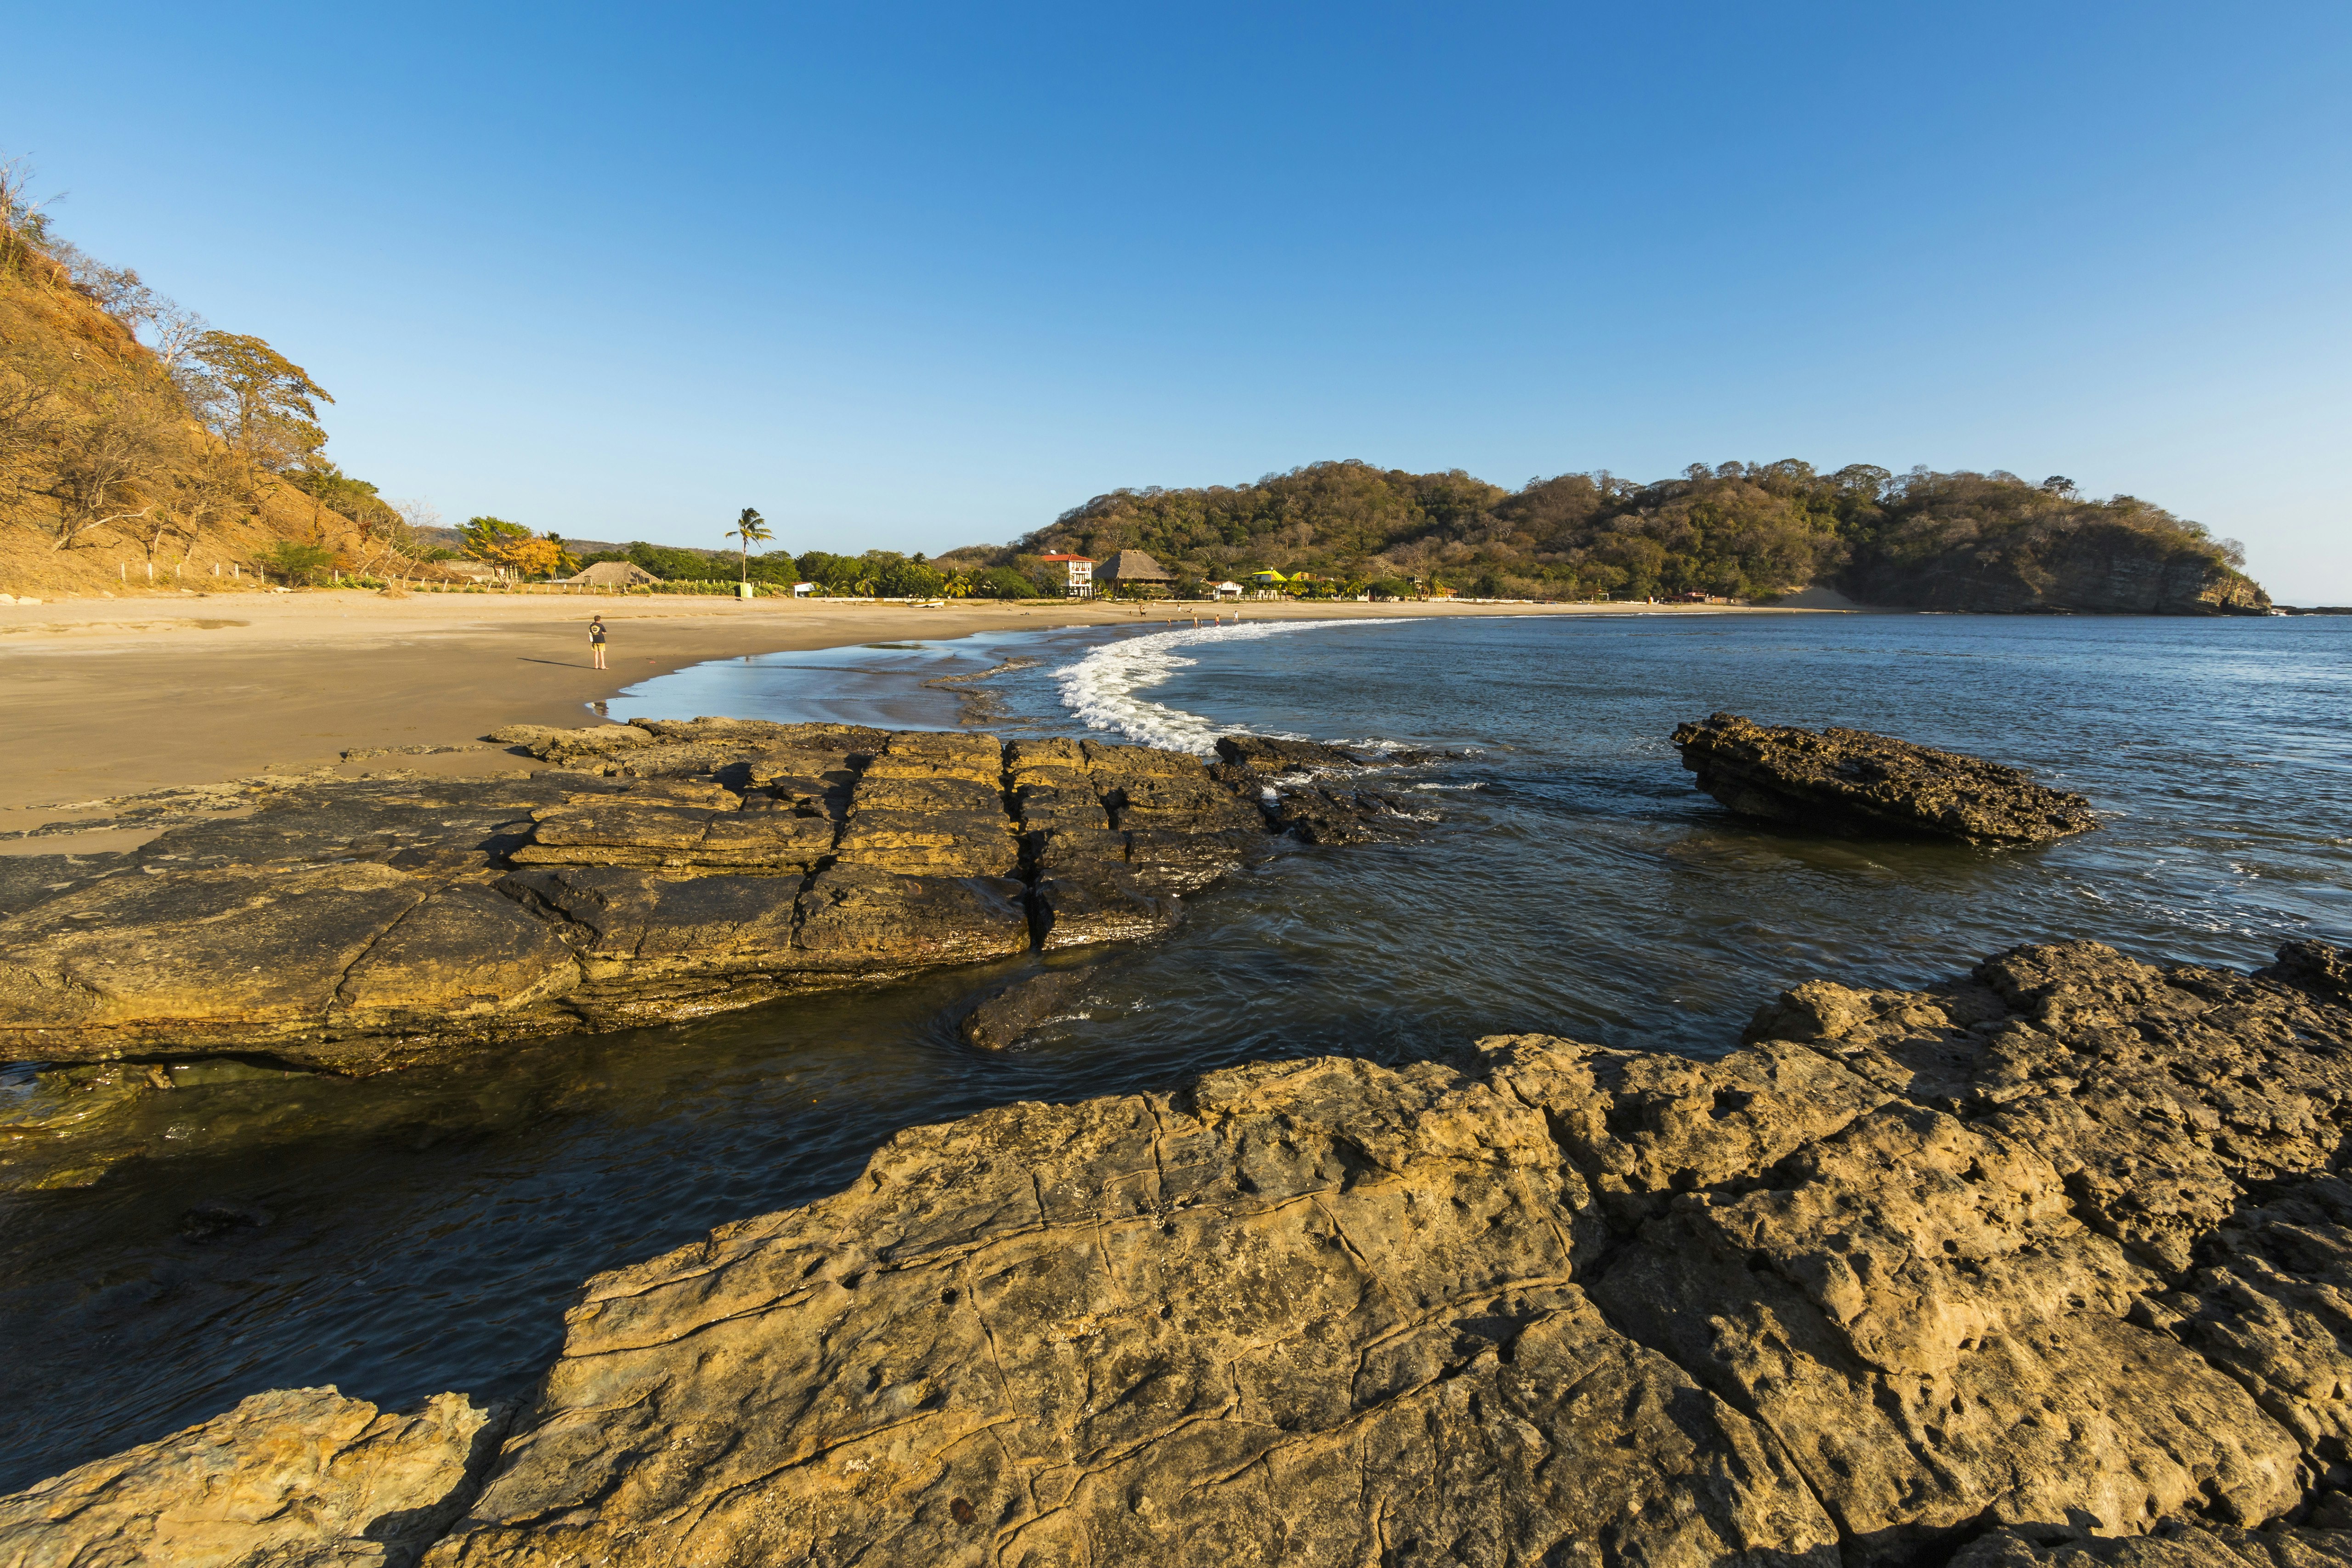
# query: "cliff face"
2092,568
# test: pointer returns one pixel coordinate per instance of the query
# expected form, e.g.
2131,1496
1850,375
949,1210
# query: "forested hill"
1935,541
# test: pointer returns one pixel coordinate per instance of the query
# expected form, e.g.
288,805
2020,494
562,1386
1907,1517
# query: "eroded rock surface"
1851,781
663,870
2050,1262
298,1478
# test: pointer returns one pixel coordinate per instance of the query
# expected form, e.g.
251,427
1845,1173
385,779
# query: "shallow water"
423,1231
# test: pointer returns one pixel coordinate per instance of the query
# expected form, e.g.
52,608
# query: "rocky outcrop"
1851,781
301,1477
666,870
2047,1265
2086,568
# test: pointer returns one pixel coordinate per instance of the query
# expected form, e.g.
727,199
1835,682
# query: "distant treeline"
884,573
1739,530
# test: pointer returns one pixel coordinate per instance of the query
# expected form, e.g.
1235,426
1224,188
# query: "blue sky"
925,276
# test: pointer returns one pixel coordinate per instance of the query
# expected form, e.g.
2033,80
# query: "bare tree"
104,473
30,413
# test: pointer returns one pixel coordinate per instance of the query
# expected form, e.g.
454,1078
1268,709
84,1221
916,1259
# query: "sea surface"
423,1231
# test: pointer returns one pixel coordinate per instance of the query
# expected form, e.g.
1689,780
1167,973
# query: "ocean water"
423,1231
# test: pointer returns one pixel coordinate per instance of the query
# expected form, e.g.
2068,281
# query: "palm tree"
868,587
751,529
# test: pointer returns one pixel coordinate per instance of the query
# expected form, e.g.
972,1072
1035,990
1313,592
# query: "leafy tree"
485,536
263,405
291,559
527,556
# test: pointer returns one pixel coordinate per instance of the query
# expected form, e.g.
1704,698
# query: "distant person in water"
596,638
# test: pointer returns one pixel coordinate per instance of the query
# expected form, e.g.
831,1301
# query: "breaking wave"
1101,690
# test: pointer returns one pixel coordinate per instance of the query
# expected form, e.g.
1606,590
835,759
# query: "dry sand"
105,699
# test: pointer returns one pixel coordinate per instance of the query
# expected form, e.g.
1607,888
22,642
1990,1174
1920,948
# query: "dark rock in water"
1320,815
1003,1020
1851,781
2042,1264
669,870
1268,755
215,1217
2316,966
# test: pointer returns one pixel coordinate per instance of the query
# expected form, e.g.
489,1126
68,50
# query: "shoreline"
105,699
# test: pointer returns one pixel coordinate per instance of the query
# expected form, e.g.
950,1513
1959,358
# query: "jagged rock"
1318,815
2317,967
1852,1294
1831,1298
696,866
1851,781
1317,1311
1267,755
298,1478
2174,1546
1001,1020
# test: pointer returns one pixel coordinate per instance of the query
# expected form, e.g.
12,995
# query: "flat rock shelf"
657,871
2048,1264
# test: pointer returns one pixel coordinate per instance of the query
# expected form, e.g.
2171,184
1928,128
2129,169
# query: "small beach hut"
1228,590
1134,569
614,574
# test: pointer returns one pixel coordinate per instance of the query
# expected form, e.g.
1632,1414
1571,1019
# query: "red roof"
1087,558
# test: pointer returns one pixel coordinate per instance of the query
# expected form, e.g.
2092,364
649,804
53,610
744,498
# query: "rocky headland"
1856,783
655,871
2052,1262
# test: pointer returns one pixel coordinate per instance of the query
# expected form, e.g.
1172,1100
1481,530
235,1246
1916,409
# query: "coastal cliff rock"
1851,781
663,871
2085,567
300,1477
2047,1262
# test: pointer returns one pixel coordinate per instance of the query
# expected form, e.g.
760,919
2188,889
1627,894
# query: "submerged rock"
301,1477
667,870
1851,781
1003,1019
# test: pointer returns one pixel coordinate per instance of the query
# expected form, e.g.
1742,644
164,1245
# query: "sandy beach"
104,697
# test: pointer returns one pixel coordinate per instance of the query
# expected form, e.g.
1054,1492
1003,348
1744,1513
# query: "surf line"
1100,689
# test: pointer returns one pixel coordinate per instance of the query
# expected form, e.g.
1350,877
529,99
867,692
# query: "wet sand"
104,699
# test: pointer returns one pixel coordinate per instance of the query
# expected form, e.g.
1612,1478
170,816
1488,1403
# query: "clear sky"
925,275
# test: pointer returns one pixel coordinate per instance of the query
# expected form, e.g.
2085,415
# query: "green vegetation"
295,561
1736,530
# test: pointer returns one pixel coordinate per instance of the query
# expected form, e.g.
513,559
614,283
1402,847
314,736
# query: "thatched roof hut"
1132,566
614,574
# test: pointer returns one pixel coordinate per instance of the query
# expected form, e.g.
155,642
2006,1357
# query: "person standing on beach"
596,638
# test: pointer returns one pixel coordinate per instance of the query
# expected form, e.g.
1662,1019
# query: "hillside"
1959,540
182,463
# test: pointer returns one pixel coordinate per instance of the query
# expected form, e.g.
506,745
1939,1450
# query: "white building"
1081,573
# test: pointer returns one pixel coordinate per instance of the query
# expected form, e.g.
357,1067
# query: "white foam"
1101,688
